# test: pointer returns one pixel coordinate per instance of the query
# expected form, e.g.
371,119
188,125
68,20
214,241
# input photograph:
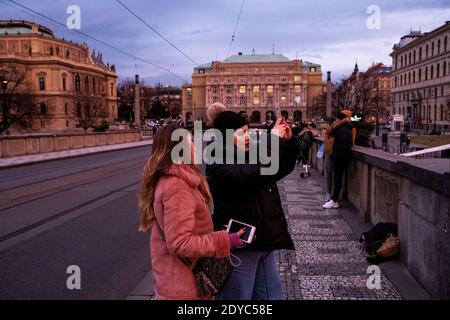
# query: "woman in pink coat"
177,196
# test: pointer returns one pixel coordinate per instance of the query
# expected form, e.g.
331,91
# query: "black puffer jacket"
240,192
343,142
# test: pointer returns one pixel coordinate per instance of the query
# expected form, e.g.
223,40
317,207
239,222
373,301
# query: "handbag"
390,247
211,274
321,151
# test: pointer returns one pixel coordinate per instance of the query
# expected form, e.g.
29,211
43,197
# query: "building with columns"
254,85
62,77
421,79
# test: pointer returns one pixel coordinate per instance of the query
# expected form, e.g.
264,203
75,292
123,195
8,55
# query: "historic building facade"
421,79
255,86
64,78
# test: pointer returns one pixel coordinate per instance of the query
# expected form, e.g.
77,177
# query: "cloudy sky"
331,33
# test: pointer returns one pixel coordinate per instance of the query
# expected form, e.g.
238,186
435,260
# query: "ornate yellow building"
63,78
255,86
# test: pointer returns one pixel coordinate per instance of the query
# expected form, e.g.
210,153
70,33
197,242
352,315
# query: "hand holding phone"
246,231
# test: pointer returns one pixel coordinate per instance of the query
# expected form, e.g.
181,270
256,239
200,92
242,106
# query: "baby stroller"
306,141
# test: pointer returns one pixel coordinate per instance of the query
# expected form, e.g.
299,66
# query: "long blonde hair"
156,167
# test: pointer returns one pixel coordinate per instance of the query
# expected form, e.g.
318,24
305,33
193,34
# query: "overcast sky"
331,33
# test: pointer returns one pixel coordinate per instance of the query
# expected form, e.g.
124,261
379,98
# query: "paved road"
80,211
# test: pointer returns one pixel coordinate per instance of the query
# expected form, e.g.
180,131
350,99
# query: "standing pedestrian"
342,134
173,202
240,192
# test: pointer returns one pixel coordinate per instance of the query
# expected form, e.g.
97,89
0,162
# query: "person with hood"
173,202
241,193
343,137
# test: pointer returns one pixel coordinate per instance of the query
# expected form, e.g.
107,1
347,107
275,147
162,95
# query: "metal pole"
378,108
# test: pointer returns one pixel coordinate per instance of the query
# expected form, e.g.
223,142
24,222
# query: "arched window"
438,69
432,72
432,48
86,84
420,54
43,108
426,51
439,46
77,83
93,85
79,109
426,73
420,75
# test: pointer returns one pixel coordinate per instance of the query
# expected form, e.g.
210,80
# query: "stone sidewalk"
42,157
327,263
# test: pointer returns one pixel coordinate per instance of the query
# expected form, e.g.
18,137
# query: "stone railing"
413,193
13,146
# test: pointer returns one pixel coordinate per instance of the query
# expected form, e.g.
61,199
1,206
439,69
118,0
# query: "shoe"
327,197
331,205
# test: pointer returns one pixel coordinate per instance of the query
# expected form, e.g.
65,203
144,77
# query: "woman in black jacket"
240,192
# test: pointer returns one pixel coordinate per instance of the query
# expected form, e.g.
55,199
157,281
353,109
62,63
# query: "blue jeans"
257,278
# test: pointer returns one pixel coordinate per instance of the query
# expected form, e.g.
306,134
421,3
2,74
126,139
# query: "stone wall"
14,146
389,188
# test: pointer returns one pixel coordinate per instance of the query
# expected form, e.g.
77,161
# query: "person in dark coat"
341,156
240,192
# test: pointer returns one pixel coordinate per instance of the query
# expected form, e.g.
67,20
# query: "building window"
242,100
269,79
42,83
228,80
66,109
432,49
77,83
445,44
256,89
256,100
79,110
269,100
215,99
420,54
426,51
242,89
112,89
256,79
270,88
94,87
284,88
283,99
414,56
297,89
297,78
229,90
414,76
242,79
313,69
444,73
86,84
420,75
283,79
43,108
64,84
215,89
439,46
438,69
432,72
426,73
216,80
229,101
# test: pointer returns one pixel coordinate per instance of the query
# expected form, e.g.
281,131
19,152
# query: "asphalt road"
80,211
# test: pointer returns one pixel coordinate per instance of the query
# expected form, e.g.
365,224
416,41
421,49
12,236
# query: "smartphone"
278,112
235,226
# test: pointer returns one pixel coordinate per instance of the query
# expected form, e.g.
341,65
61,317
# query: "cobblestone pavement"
327,262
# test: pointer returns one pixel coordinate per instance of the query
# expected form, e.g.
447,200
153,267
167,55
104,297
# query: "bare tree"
89,111
17,106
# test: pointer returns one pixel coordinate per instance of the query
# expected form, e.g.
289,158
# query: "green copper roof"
256,58
205,66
